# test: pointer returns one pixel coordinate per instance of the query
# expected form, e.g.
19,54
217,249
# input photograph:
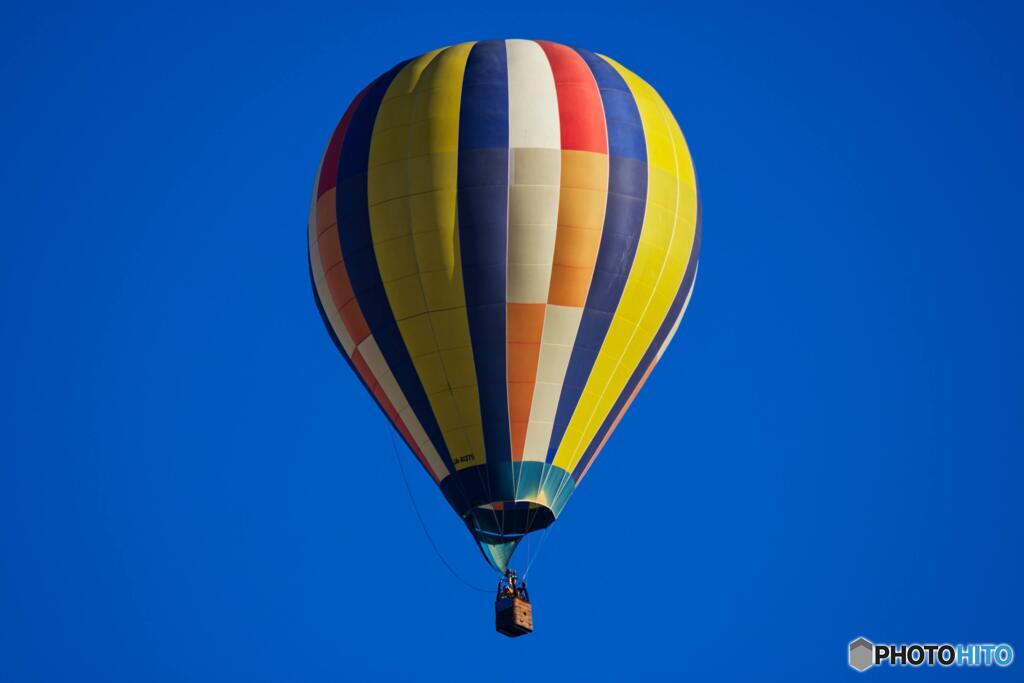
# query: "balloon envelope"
503,240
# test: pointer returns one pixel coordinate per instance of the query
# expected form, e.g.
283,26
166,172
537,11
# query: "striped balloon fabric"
503,240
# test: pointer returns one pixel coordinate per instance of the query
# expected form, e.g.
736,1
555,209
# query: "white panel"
538,436
535,204
528,284
532,225
315,262
382,373
561,323
545,399
533,100
554,359
534,244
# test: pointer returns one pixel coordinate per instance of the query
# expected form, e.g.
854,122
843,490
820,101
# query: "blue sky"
193,486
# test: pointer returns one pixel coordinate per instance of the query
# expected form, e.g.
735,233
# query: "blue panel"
483,235
355,155
528,475
484,168
483,116
628,177
361,261
648,358
625,130
498,554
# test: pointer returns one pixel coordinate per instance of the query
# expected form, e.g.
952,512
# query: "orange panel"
522,362
326,211
581,208
520,395
519,438
352,316
525,323
339,286
577,247
569,286
329,248
585,170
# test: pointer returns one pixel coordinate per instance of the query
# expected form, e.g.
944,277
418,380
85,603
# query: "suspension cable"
423,525
540,546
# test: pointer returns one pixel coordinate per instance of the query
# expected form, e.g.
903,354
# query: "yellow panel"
434,134
390,218
392,145
658,267
447,332
431,372
406,298
417,333
412,181
386,180
429,251
466,398
396,258
458,364
408,79
432,172
446,410
457,443
439,292
434,211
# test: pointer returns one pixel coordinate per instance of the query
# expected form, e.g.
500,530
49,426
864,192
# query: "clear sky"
193,486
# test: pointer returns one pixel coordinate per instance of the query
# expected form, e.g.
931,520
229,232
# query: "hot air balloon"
502,243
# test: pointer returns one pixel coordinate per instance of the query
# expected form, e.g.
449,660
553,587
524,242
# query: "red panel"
329,169
580,110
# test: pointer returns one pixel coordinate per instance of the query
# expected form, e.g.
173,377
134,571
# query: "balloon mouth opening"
499,527
501,505
505,521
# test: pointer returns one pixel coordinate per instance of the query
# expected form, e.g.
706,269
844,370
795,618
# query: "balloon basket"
513,617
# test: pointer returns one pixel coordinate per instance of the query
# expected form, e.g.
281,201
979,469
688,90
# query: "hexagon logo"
862,654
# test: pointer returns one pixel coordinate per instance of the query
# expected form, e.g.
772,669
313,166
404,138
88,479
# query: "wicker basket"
513,617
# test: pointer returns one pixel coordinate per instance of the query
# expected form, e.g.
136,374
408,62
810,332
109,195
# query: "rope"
423,525
540,546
